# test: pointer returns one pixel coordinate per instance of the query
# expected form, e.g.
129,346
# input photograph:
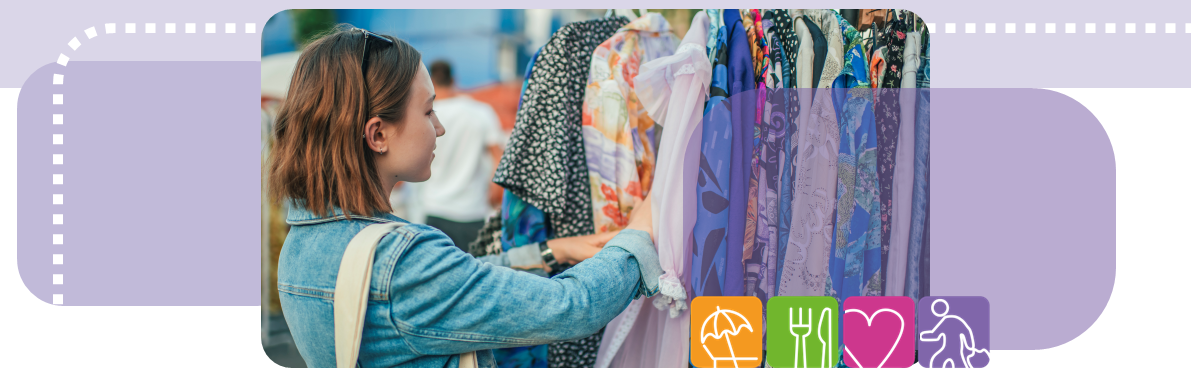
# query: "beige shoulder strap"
351,295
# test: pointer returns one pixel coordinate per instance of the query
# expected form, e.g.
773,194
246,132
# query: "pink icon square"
878,332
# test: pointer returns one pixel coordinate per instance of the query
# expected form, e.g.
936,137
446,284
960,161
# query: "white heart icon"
869,319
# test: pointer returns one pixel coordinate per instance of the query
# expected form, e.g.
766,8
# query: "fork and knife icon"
802,329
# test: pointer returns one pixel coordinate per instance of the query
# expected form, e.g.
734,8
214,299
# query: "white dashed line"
90,32
57,119
74,43
63,59
57,299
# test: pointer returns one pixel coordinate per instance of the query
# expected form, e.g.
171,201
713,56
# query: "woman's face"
409,147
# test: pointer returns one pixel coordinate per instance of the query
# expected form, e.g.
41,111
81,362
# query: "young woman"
358,118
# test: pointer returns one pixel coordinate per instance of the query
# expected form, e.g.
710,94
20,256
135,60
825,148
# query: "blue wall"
467,38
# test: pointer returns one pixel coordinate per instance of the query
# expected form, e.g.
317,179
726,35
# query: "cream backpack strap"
351,295
351,291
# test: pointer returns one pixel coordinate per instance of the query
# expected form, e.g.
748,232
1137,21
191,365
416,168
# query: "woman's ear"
376,135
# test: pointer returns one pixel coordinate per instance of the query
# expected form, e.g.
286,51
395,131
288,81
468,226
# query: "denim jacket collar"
299,215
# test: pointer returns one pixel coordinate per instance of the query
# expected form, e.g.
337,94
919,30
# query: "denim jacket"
430,301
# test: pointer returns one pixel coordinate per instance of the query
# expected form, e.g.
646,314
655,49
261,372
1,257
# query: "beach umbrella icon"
719,325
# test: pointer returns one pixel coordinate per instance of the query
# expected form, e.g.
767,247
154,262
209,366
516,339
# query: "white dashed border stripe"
60,79
1060,28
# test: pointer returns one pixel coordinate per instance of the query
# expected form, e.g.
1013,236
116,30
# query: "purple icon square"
953,332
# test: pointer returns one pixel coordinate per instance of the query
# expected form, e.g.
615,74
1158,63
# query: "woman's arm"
446,302
572,250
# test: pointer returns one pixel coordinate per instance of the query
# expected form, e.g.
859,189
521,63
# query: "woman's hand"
642,216
575,249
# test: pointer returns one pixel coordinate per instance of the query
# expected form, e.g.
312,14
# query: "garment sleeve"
446,302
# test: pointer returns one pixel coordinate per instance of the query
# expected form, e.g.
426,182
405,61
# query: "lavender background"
162,180
161,184
974,310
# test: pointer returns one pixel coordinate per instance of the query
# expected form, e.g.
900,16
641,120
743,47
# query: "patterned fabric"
777,125
920,199
760,248
753,266
887,111
521,357
833,62
876,67
783,26
521,223
805,269
885,65
488,239
618,133
820,47
544,163
924,66
856,247
894,42
801,57
715,28
855,70
717,269
777,59
675,89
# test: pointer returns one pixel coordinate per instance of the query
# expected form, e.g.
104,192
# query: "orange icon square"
726,332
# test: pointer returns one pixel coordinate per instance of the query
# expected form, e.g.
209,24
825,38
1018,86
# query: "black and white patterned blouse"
544,162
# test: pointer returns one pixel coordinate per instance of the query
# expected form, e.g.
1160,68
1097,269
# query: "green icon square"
802,332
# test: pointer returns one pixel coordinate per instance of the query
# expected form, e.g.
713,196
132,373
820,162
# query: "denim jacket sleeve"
446,302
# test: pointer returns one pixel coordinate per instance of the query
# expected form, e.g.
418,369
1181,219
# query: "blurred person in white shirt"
460,192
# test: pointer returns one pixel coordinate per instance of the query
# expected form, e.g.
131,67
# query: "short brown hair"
319,154
440,73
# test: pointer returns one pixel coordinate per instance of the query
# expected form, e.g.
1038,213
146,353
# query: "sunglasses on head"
364,54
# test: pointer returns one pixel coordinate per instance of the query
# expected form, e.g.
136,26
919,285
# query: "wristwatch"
548,255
